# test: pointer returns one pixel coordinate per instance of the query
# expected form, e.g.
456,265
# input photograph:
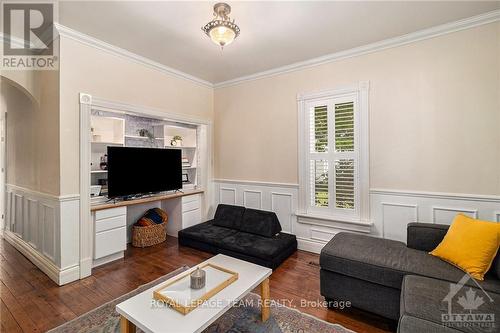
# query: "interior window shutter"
345,156
334,154
319,166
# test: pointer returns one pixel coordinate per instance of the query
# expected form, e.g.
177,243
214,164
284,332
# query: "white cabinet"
191,210
110,224
110,242
110,230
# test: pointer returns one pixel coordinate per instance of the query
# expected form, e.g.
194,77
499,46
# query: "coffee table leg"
126,326
264,293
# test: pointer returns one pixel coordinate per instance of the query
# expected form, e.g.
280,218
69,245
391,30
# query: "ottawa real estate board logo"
28,41
469,306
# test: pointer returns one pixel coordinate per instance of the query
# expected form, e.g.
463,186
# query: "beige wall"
434,116
32,150
101,74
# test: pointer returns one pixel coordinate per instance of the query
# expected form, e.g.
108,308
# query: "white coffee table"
139,311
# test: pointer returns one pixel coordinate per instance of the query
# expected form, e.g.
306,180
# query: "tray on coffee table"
181,297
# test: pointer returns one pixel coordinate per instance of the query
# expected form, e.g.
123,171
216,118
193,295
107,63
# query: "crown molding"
106,47
420,35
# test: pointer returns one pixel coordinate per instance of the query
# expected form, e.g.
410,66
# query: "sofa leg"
265,296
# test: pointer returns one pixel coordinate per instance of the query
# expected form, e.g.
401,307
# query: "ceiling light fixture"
221,30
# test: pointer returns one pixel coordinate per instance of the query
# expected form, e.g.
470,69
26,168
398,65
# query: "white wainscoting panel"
227,196
280,198
425,207
395,218
18,221
48,229
252,199
444,215
282,205
32,218
34,225
390,210
322,235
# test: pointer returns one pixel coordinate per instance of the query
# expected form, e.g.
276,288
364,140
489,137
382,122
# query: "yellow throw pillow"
470,245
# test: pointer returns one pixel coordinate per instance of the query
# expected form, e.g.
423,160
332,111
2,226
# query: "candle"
198,278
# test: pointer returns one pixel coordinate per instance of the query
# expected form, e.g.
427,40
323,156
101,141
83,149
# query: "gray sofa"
403,282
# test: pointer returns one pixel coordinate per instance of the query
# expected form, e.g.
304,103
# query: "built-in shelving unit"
188,145
119,129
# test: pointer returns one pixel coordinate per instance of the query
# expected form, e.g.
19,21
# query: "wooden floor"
31,302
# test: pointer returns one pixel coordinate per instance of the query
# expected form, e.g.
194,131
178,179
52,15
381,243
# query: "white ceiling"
273,34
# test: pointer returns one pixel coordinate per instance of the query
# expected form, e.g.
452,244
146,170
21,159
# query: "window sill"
337,222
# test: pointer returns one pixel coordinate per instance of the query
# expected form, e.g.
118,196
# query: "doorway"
3,165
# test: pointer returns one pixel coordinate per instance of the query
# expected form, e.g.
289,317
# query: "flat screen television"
133,171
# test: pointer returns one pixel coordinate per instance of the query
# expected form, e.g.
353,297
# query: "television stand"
145,199
113,220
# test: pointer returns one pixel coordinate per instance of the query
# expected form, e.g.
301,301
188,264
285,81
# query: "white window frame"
359,95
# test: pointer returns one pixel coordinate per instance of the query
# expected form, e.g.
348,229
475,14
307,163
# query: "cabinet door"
110,242
111,212
110,223
191,218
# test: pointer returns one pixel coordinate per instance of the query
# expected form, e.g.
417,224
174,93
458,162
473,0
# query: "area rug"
241,319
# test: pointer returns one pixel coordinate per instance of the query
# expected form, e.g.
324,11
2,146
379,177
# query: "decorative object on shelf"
185,163
147,134
185,178
95,190
176,141
102,181
150,229
95,137
198,278
221,30
104,162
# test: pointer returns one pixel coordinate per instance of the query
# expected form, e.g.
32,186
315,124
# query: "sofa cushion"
229,216
260,222
258,246
470,244
386,262
206,232
427,299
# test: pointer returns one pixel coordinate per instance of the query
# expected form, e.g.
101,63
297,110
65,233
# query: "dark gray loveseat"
244,233
403,282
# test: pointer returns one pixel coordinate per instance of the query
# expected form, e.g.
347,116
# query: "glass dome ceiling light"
221,30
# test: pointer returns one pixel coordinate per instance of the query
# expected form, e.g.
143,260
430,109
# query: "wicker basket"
149,235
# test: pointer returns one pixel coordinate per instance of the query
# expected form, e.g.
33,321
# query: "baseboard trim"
110,258
85,268
40,261
69,274
309,245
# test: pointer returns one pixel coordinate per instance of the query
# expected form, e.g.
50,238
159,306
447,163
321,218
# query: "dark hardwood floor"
31,302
